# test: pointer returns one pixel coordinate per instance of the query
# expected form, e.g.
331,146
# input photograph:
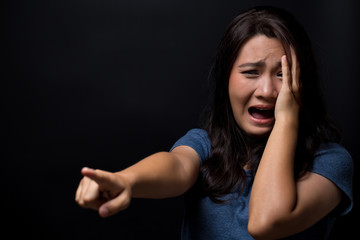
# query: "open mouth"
261,113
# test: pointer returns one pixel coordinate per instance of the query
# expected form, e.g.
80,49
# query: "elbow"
270,223
263,227
258,230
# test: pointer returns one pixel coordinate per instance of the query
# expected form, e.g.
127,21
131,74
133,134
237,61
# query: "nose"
267,88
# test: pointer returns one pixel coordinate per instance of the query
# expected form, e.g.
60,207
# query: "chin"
259,132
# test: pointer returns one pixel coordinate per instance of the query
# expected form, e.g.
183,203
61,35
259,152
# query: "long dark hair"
232,149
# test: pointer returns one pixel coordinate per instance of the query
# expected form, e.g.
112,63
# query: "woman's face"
254,84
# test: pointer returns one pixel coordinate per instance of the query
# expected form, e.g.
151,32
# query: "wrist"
127,178
288,120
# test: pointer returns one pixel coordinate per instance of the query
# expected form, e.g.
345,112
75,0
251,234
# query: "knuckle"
287,73
88,200
81,203
100,174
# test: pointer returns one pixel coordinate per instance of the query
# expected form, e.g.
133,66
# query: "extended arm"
164,174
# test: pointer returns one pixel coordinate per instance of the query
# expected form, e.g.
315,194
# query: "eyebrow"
257,64
252,64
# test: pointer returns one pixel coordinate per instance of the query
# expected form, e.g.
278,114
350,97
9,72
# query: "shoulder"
333,157
335,163
332,147
197,132
198,139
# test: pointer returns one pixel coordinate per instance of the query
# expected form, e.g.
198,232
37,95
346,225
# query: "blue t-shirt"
204,219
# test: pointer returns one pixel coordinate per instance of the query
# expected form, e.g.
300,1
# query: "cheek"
240,87
240,94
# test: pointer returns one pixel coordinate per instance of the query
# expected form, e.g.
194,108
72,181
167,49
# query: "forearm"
158,176
273,194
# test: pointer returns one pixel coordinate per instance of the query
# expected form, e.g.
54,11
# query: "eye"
279,75
251,73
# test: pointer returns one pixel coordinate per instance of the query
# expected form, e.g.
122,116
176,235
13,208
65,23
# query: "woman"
268,164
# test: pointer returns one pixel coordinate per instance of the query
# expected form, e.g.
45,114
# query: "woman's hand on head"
287,103
103,191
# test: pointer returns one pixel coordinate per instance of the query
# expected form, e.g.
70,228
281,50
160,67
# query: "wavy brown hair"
232,149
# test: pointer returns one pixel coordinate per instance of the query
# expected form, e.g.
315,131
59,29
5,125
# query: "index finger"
285,70
295,71
99,176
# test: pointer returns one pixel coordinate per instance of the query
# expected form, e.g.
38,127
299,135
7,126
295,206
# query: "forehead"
260,48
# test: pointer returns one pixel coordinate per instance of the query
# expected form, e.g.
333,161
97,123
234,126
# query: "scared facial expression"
254,84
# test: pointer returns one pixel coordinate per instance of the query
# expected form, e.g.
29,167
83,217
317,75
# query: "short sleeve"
198,140
334,162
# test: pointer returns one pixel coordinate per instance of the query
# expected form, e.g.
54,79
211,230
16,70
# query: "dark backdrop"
106,83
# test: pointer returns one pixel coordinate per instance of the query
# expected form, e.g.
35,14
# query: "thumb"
115,205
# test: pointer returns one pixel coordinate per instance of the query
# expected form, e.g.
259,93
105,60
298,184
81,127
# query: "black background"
105,83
